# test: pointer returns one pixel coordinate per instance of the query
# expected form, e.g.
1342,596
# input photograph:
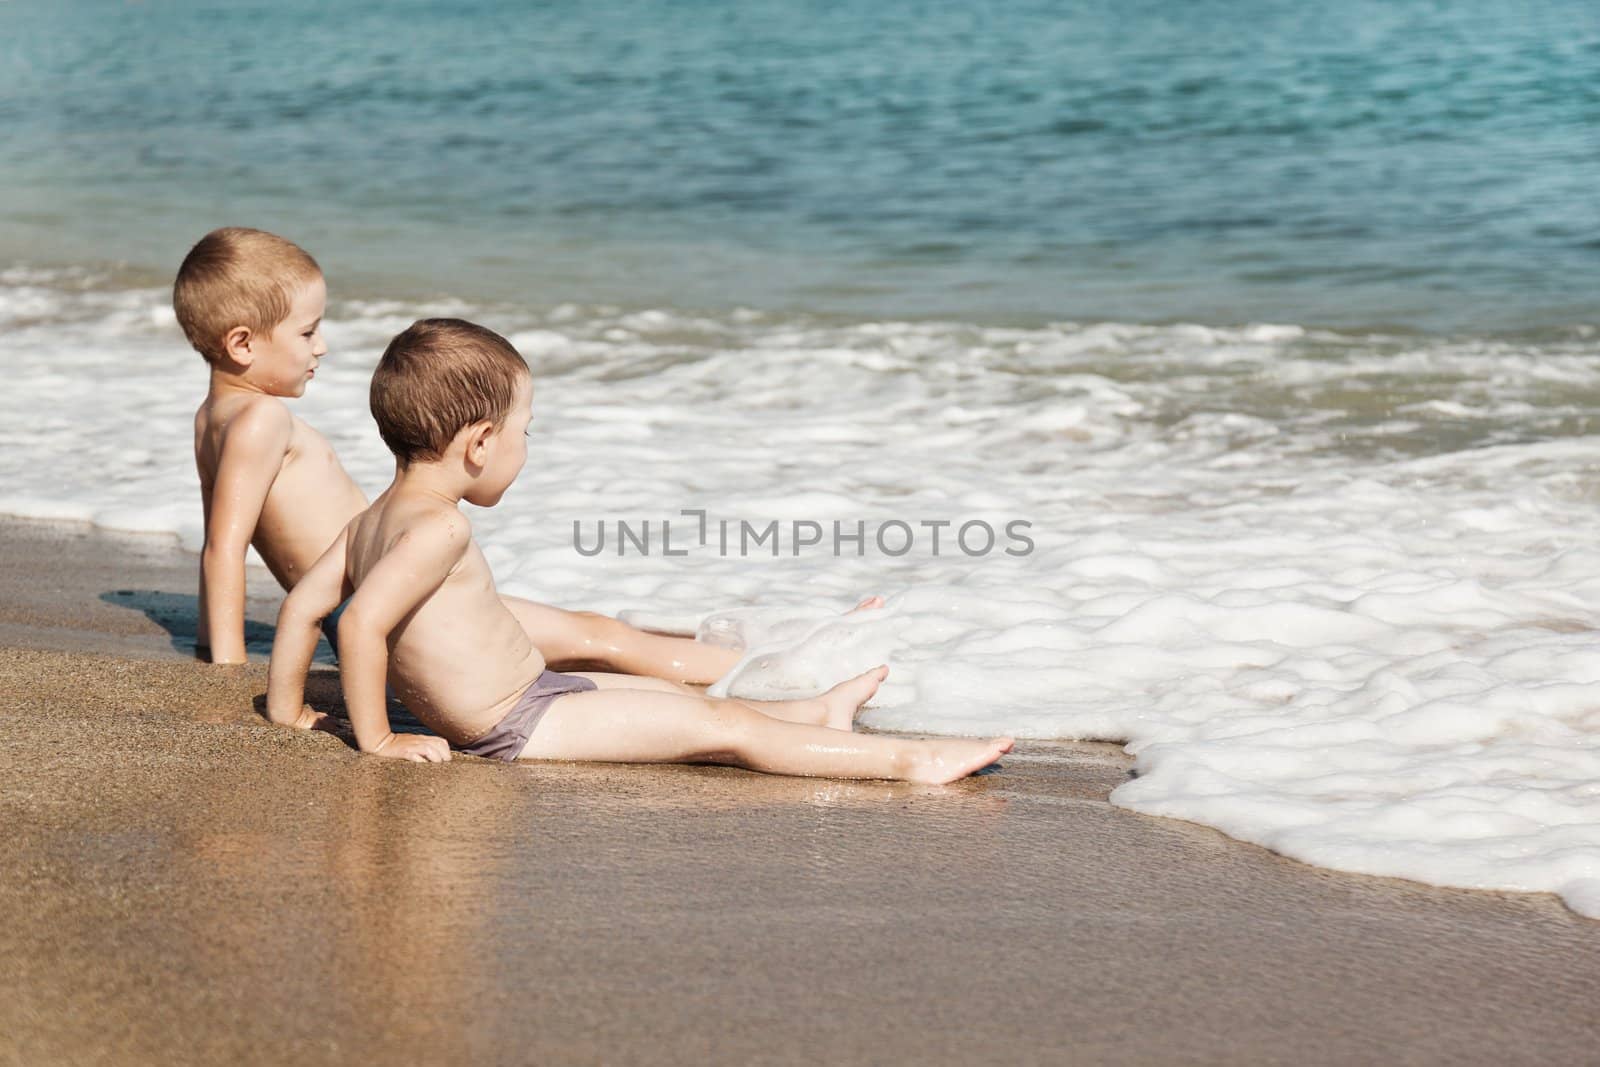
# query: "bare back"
311,497
459,660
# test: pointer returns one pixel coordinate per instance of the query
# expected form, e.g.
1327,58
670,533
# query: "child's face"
286,359
508,450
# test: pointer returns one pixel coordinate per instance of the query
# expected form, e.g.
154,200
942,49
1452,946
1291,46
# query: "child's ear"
478,435
236,343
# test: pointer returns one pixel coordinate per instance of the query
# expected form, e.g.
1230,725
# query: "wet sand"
181,882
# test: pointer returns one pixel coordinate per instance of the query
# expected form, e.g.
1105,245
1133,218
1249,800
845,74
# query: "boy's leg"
814,711
616,725
563,636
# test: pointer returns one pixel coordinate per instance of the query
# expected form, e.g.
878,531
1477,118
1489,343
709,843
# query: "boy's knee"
593,620
729,729
601,631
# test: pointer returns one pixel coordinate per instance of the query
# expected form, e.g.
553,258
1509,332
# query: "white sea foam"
1337,593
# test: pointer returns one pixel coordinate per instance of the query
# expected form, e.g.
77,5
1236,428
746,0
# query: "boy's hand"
312,720
306,719
415,747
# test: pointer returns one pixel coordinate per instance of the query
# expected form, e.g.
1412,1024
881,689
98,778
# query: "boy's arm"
319,591
408,573
202,629
252,454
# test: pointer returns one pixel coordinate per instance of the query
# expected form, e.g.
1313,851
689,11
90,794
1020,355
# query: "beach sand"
183,883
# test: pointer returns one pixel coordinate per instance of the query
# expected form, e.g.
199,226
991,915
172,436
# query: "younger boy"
453,401
251,303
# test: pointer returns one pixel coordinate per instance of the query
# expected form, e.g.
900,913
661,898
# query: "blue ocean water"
1420,164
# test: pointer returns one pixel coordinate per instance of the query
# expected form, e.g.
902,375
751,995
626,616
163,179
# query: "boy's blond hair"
437,377
238,277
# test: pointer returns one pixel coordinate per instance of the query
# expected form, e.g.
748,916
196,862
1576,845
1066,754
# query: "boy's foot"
843,700
938,762
866,604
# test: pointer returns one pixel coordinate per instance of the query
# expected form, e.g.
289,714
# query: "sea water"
1351,163
1262,340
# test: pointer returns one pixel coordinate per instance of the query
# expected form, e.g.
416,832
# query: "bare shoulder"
248,435
412,538
412,526
443,534
257,420
438,526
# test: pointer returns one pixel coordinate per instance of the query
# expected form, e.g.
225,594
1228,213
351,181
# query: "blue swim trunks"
330,627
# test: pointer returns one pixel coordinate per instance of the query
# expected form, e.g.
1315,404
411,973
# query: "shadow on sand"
179,615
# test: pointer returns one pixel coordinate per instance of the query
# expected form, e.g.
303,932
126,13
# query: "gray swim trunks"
505,740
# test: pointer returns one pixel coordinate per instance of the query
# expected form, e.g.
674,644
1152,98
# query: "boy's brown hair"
238,277
438,376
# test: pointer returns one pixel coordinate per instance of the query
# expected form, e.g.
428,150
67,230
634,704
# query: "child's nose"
320,347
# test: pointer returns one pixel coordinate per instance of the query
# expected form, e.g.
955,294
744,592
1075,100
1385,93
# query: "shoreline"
188,884
1542,325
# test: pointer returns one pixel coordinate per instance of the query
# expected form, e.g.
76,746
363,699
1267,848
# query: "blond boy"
252,303
453,402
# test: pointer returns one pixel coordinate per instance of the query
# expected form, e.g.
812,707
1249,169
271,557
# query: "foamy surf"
1336,592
